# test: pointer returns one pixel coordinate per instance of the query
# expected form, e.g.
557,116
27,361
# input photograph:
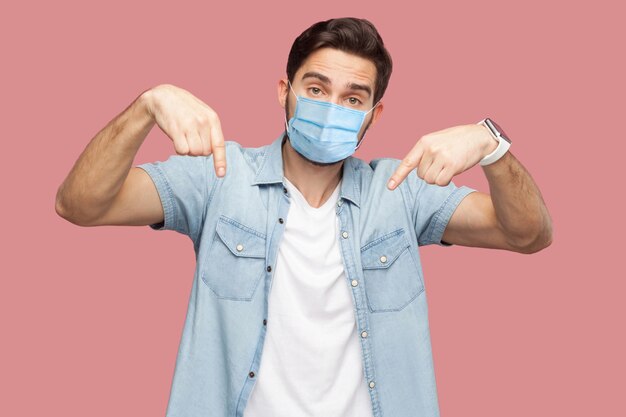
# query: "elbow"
64,210
60,207
536,246
534,242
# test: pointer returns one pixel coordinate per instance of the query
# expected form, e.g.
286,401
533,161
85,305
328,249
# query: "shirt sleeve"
433,208
182,184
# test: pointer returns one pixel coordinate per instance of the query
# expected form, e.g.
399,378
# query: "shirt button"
339,203
354,282
372,384
280,220
364,334
344,234
284,190
269,269
383,259
264,322
251,375
239,247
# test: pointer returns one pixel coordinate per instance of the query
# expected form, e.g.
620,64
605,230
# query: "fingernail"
221,171
391,184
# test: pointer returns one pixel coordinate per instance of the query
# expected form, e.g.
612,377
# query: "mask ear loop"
375,105
361,141
291,88
294,93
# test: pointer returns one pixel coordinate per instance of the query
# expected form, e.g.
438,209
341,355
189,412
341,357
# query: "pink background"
91,318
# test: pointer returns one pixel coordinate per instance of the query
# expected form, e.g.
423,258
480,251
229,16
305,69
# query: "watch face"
497,129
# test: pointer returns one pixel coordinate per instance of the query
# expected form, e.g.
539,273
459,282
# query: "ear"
283,90
378,111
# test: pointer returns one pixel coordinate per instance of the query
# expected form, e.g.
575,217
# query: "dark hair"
348,34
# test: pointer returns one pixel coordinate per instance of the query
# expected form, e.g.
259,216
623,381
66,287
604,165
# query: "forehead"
341,67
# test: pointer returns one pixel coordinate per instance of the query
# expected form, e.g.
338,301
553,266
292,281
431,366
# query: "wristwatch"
504,143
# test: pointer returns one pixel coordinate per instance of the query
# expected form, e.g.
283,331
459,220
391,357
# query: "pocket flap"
241,240
383,251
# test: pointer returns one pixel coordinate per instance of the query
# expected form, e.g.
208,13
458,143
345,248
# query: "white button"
364,334
344,235
383,259
354,282
239,247
339,203
372,384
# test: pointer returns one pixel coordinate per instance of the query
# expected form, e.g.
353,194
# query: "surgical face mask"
324,132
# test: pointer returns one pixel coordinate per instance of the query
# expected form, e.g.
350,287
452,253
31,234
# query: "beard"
319,164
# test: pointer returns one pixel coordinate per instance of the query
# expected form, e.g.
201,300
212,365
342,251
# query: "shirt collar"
271,171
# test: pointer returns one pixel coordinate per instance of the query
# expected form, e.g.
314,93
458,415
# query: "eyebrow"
324,79
321,77
355,86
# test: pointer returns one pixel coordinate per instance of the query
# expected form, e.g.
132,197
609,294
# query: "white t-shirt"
311,363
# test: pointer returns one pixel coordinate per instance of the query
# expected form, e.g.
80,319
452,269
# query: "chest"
373,242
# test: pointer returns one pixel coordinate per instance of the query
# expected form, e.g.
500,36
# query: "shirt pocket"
235,262
392,277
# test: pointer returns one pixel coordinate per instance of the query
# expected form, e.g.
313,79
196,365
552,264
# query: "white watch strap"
503,147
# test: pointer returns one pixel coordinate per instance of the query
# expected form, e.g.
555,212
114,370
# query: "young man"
308,297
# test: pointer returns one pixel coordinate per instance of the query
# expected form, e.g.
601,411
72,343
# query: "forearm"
101,169
519,207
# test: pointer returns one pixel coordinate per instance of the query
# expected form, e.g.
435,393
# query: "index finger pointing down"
408,164
218,150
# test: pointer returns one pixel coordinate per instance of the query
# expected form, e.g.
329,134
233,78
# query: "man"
308,297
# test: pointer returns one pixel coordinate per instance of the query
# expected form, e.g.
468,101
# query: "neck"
316,183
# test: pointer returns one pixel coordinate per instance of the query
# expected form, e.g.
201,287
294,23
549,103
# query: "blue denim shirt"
236,224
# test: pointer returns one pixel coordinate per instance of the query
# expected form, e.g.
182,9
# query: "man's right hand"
193,126
104,188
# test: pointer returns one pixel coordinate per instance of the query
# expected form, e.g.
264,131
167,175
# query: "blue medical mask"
324,132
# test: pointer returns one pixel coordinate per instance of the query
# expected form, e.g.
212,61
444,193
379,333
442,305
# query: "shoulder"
377,172
369,179
374,176
385,164
237,156
377,166
251,156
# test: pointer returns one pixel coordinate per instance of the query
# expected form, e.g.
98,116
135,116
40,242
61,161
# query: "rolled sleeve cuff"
443,215
165,194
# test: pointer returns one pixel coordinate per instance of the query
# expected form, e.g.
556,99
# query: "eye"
315,90
354,101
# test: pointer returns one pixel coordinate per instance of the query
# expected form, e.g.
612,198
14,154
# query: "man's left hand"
441,155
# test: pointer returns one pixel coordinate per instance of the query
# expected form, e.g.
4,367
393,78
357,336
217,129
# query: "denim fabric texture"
236,223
